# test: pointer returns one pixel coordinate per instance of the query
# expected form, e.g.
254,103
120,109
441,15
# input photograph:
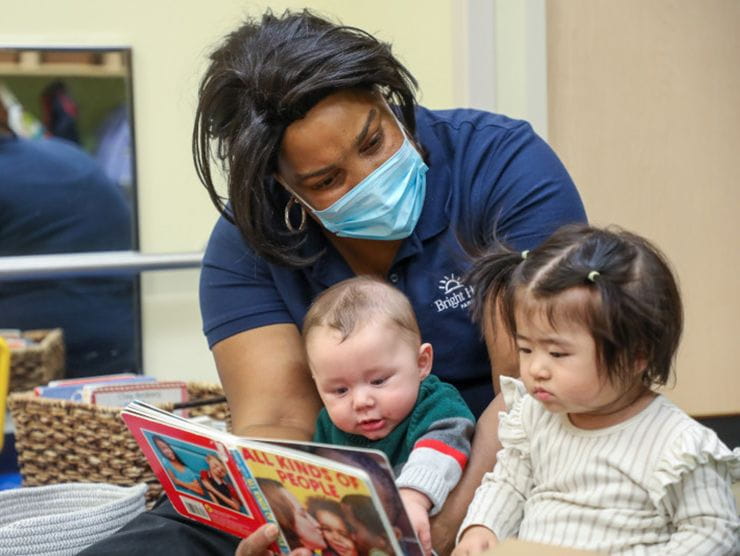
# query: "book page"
380,472
332,500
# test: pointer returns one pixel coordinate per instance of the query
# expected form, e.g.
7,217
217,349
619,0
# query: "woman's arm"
270,394
504,361
267,383
193,485
482,459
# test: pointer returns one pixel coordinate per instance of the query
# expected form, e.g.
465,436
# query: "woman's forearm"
482,459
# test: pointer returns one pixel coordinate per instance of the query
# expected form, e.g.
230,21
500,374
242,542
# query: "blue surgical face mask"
386,204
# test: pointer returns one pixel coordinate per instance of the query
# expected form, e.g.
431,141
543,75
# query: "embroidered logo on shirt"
456,294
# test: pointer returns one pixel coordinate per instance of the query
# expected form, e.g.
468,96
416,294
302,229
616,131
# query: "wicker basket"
59,441
39,363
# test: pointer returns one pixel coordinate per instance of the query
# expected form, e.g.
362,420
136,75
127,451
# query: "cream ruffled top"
657,483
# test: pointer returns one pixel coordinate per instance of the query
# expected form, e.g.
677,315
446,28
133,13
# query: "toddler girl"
592,457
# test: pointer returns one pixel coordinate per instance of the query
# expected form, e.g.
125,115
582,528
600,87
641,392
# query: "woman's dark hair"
633,307
264,76
156,438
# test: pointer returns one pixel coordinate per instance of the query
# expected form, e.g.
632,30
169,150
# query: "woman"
180,474
333,170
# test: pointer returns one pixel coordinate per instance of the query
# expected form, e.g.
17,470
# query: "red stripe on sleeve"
443,448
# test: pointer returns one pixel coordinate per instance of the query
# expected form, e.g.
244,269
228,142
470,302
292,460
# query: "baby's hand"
475,539
417,506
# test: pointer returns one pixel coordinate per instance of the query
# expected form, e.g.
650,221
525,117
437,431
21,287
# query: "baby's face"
560,368
369,382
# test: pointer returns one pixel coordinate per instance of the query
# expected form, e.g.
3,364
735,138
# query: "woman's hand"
258,543
475,540
193,485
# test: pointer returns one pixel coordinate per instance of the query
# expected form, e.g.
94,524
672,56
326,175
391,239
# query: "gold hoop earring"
286,215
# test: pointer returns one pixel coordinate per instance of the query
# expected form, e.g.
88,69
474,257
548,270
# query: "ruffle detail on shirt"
511,431
693,448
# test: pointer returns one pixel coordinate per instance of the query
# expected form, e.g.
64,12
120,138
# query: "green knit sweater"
438,432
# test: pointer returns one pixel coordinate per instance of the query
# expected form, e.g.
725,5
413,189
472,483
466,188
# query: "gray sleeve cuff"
431,473
428,481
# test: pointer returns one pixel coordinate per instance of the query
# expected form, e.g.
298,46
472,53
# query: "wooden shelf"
63,63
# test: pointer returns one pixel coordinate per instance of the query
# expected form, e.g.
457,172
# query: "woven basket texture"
39,363
60,441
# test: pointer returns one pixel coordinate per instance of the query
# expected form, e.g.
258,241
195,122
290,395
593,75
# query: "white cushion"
64,518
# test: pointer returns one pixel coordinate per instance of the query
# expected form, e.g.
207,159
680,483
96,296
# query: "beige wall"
644,109
170,41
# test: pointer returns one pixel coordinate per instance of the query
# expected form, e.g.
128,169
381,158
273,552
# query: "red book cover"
329,499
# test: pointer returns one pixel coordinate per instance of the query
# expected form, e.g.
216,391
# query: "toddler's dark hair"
632,304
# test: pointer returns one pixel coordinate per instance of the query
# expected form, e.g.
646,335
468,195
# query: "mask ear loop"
398,122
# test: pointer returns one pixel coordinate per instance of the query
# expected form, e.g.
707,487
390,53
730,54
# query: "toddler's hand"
475,539
417,506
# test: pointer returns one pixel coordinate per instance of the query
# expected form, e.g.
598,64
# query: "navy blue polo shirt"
487,174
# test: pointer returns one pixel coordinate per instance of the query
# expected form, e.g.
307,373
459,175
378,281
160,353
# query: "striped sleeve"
704,513
694,478
498,503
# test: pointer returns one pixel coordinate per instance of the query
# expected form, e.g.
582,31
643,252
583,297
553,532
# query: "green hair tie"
593,274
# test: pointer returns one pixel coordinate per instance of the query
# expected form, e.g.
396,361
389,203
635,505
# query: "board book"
324,498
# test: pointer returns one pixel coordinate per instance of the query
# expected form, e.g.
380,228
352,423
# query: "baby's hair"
352,303
630,301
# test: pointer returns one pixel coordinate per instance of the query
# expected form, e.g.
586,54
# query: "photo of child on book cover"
197,472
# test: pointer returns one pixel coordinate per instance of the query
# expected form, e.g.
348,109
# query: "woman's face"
339,142
305,526
165,449
336,533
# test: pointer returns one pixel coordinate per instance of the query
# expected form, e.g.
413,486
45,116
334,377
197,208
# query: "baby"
372,372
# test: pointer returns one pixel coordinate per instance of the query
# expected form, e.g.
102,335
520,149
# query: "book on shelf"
330,499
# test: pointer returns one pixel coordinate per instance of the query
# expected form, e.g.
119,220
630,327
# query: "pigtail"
490,278
636,314
642,306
